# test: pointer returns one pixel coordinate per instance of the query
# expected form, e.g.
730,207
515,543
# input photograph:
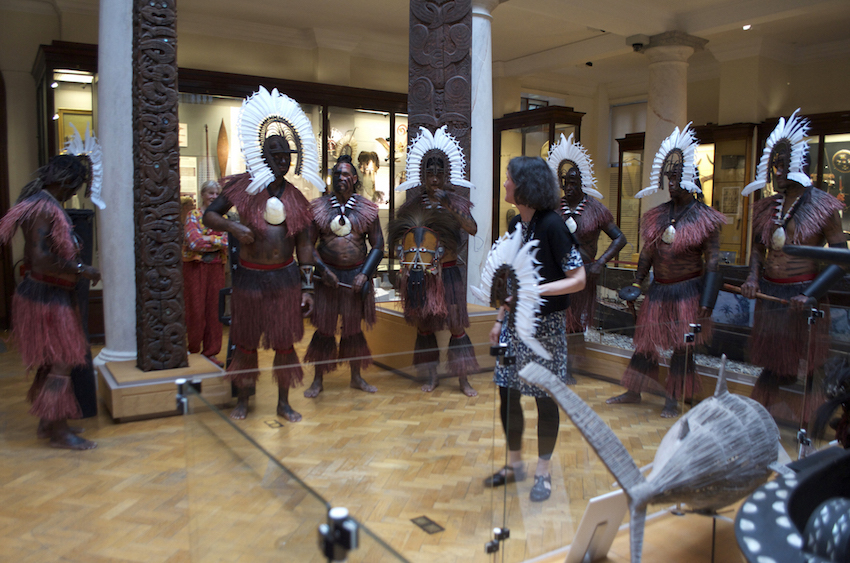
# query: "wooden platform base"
391,340
132,394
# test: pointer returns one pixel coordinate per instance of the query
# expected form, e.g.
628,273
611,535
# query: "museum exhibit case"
525,133
624,207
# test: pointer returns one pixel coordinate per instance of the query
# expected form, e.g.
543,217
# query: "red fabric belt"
52,280
451,264
677,280
795,279
254,266
352,267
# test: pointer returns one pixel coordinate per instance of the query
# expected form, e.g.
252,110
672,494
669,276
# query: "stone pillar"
667,104
115,223
481,149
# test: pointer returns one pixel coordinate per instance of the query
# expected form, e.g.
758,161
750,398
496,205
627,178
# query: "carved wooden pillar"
160,324
440,74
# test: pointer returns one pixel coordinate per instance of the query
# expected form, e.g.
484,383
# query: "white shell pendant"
341,226
777,240
275,213
571,224
669,234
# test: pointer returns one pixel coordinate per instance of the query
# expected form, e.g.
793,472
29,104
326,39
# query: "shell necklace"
777,240
428,204
275,212
341,225
571,213
669,234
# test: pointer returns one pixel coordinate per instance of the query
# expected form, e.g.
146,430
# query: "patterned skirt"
551,333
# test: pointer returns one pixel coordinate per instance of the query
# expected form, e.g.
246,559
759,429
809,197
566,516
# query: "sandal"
507,474
542,488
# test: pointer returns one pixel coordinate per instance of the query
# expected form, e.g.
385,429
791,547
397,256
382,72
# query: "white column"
481,142
115,223
667,104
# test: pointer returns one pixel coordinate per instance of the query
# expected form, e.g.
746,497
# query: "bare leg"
433,380
43,431
241,410
465,387
671,408
283,407
62,437
627,397
313,391
357,381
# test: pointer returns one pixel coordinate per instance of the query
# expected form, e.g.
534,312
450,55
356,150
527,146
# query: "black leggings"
548,419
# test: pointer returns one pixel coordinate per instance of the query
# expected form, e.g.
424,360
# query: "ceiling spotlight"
54,85
55,117
747,27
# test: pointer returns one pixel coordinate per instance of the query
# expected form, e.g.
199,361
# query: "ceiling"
542,41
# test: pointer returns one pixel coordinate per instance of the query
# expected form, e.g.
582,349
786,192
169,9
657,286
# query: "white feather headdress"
90,149
510,251
425,142
263,111
568,150
794,132
684,142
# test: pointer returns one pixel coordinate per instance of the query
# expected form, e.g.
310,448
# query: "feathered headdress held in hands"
794,133
443,142
684,144
267,113
511,270
89,149
574,153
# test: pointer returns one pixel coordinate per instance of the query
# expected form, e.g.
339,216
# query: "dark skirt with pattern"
552,334
582,305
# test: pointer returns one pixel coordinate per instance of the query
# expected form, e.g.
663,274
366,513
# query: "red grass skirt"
665,316
46,325
53,397
582,306
779,340
267,304
330,304
455,318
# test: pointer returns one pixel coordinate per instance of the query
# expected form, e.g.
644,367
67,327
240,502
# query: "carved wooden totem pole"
440,74
160,324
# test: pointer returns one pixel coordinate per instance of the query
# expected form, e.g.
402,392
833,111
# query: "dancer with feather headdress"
682,246
797,214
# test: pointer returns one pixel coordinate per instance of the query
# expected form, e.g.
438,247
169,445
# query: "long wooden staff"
759,295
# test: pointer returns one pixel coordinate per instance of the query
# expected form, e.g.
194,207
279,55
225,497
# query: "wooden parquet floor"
194,489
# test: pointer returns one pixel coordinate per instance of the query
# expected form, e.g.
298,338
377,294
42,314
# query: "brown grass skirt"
330,304
582,306
46,325
665,316
456,318
266,304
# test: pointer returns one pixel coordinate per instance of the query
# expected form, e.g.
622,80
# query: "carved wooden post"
440,74
160,324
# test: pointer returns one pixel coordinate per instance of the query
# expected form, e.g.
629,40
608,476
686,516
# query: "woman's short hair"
209,185
535,183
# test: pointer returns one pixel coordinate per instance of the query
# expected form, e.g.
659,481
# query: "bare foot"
671,409
431,385
313,391
287,412
466,388
240,411
43,430
358,382
62,437
629,397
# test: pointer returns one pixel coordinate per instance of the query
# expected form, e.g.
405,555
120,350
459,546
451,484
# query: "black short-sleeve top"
557,252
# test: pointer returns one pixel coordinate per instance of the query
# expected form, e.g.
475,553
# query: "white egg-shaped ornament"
275,213
571,224
341,226
669,234
777,240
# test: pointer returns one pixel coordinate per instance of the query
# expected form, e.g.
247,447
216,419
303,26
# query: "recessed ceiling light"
55,117
54,85
747,27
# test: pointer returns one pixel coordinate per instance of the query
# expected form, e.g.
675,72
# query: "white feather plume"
686,142
442,141
258,110
793,131
569,150
91,149
509,250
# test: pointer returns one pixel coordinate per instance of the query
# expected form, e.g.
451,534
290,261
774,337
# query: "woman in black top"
533,188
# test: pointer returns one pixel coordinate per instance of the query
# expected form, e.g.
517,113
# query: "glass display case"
525,133
626,209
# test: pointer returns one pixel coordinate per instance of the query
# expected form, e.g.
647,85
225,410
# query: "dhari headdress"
793,132
572,152
264,114
684,144
511,270
90,150
425,144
